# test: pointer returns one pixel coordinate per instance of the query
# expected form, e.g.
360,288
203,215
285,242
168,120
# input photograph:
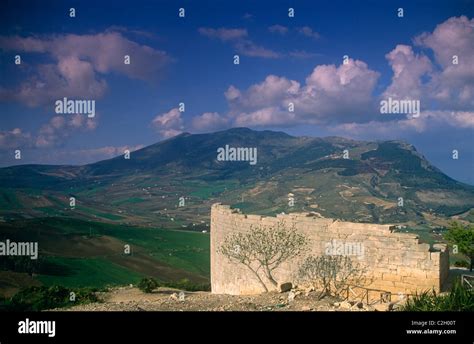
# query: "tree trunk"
268,273
258,277
472,263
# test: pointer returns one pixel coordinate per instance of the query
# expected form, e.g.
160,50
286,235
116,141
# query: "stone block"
391,277
284,287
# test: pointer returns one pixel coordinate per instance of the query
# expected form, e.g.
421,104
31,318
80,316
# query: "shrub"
461,264
40,298
463,238
147,285
331,274
458,299
187,285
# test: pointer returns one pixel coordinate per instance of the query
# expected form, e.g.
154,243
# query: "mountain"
367,186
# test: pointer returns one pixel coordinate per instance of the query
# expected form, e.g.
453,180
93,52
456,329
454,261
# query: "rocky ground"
164,299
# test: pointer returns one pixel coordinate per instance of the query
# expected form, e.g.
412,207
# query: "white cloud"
240,42
59,128
452,86
14,139
249,48
169,123
80,61
272,91
302,54
402,127
280,29
330,95
408,69
342,97
209,121
269,116
223,34
52,134
308,32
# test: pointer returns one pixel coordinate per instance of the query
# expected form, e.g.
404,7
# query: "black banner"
133,327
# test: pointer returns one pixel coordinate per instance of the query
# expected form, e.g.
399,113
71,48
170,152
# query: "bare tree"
331,274
264,248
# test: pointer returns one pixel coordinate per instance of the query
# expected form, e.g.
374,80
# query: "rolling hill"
136,202
145,189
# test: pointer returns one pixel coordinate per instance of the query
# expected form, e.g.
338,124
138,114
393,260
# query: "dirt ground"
164,299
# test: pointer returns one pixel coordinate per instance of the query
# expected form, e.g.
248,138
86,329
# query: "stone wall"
395,262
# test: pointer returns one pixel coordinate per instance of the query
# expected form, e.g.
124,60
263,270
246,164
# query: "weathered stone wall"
395,262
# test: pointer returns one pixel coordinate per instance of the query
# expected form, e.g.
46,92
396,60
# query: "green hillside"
136,201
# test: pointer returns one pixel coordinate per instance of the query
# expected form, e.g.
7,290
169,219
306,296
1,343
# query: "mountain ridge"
146,188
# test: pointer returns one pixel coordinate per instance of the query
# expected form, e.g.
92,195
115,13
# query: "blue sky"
190,60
